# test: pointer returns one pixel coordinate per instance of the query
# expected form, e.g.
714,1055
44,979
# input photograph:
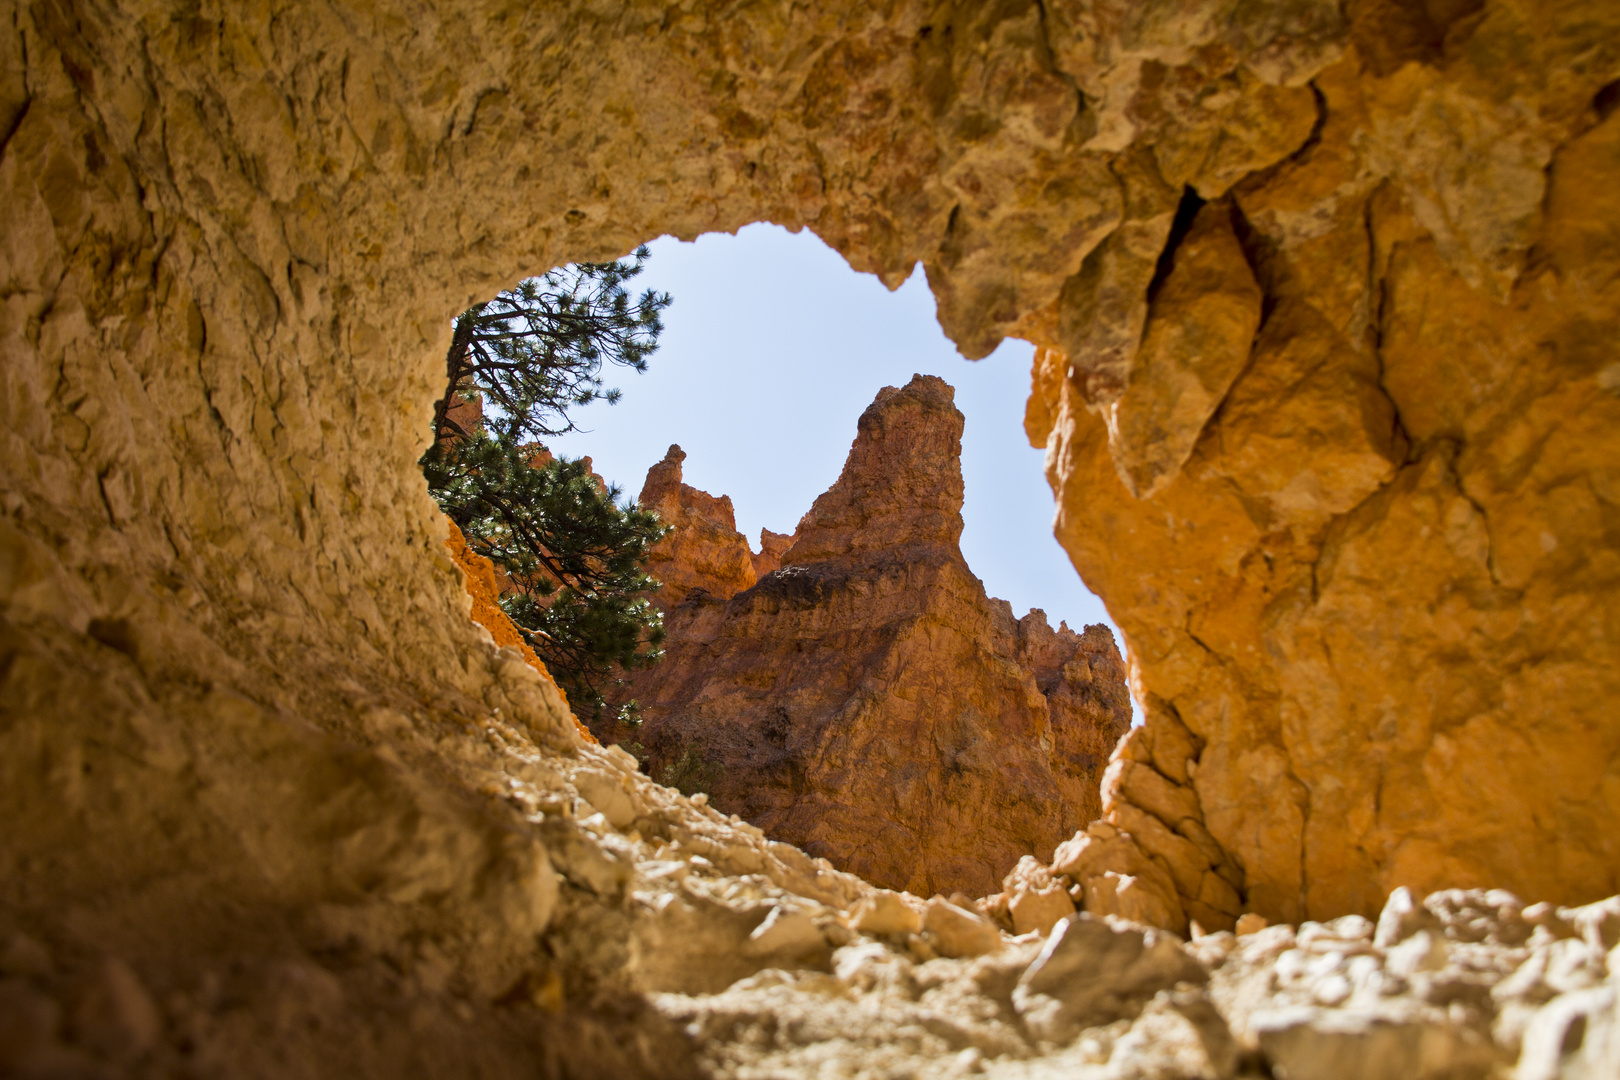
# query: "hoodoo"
868,701
1325,295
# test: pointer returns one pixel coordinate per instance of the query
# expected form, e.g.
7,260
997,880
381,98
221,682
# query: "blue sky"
771,350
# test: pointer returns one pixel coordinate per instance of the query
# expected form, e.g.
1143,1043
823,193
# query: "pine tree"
574,553
536,350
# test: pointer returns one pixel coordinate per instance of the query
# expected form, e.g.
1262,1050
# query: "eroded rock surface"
1373,538
704,550
267,791
484,589
868,701
1471,985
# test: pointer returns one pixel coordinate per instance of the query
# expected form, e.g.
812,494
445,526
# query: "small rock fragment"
1091,973
113,1014
1304,1043
884,912
607,793
1402,917
958,933
1179,1034
1598,923
1576,1036
1423,951
1039,909
785,932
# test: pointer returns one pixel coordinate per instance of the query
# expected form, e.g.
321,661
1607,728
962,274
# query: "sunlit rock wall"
1355,506
1369,561
703,549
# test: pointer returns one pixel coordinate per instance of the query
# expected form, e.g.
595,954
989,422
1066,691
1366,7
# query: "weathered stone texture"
1378,586
484,590
868,701
251,746
772,546
703,550
1459,985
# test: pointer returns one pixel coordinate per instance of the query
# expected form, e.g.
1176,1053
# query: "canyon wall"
868,702
1364,461
1326,296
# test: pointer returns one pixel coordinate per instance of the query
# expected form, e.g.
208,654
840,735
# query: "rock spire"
868,701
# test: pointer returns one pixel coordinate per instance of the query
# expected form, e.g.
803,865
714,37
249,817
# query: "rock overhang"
1376,586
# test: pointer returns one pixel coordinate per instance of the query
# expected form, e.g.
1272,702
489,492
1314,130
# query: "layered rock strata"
1153,859
868,701
260,773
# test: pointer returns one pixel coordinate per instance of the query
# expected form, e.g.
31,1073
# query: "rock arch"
1332,292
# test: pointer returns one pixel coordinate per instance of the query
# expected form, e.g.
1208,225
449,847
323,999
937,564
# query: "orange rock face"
868,701
484,587
704,551
1353,504
772,546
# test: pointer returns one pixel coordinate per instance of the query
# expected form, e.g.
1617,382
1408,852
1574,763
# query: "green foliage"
575,554
692,772
536,350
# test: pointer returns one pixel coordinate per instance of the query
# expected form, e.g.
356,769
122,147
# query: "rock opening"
868,702
268,791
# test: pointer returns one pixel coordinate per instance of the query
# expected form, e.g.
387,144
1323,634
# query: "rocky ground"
1325,300
1467,984
723,954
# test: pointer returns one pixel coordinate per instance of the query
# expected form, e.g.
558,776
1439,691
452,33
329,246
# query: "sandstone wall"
868,702
1371,568
485,588
1373,540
